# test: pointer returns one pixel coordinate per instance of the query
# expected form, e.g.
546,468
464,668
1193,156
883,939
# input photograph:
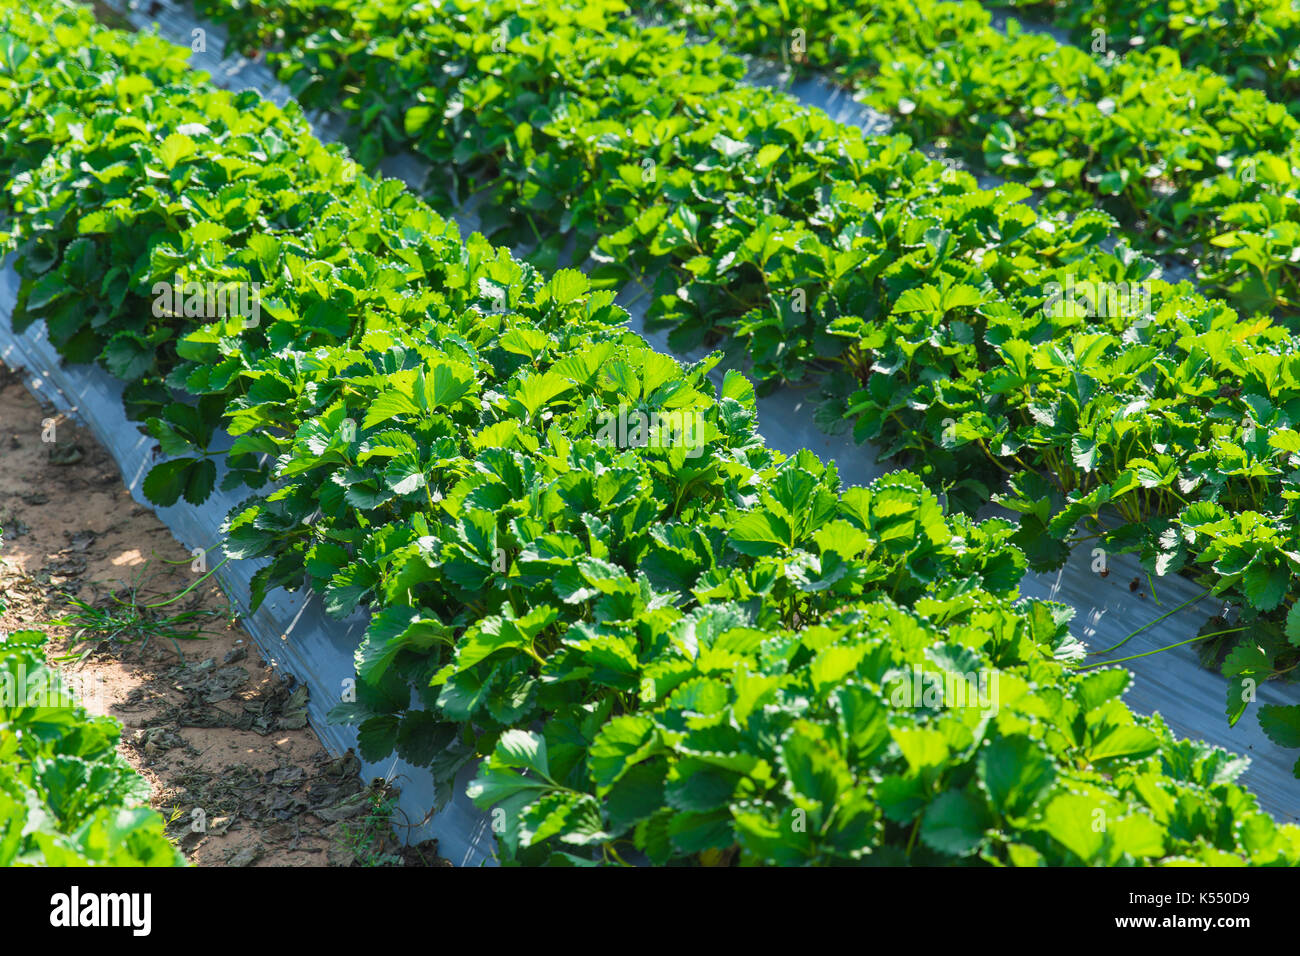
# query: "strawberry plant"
1197,166
579,559
1250,41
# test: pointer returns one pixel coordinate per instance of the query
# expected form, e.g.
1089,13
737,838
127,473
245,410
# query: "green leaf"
921,746
955,823
1286,439
191,477
735,386
174,149
567,285
377,737
1293,624
767,155
621,744
422,737
524,750
1266,585
1098,687
445,384
573,817
1138,835
1077,823
1124,741
494,784
389,405
1016,772
1281,723
416,118
760,533
816,772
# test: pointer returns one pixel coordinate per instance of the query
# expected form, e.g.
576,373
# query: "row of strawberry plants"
1204,170
719,645
803,246
1251,41
67,797
1200,169
932,319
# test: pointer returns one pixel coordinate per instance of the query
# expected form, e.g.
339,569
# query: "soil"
221,736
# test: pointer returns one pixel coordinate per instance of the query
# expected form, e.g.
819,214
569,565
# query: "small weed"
370,839
127,617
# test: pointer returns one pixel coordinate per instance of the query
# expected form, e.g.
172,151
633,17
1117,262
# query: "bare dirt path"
221,737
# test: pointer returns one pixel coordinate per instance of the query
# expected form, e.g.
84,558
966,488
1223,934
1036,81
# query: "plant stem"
177,597
1158,650
1149,624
